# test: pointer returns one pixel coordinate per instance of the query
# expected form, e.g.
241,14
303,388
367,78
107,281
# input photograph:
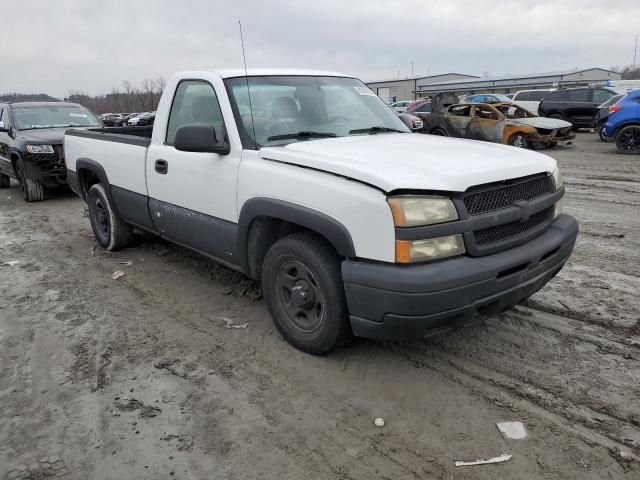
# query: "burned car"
505,123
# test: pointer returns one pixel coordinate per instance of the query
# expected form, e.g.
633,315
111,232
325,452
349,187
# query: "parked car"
504,123
31,135
600,118
352,225
146,119
110,119
575,105
401,107
414,123
530,99
421,110
485,98
135,119
623,123
125,118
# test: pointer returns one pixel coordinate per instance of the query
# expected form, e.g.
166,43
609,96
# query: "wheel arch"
90,172
263,221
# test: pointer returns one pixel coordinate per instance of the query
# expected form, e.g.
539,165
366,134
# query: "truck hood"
51,136
393,161
541,122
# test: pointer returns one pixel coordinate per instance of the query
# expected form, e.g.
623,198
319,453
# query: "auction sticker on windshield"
364,91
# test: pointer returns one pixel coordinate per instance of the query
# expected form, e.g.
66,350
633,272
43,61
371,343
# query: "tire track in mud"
593,420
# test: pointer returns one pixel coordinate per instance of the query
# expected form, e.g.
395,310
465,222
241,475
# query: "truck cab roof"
264,72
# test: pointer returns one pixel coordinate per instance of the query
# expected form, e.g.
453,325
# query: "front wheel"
110,231
32,190
302,285
628,140
517,140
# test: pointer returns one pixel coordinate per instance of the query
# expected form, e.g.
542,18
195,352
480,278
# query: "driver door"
487,124
192,195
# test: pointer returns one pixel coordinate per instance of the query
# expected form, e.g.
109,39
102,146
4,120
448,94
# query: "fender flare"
97,169
335,233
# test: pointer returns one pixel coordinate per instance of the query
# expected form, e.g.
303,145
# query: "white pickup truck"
307,182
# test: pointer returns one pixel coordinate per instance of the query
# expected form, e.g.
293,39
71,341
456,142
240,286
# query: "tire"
600,130
557,116
628,140
517,140
441,132
5,181
32,190
302,285
110,231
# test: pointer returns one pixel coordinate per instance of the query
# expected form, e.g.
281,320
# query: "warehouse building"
468,85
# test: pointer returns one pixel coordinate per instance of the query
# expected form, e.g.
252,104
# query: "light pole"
635,52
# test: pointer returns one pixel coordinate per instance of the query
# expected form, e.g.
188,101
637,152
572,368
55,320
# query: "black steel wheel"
300,295
302,285
441,132
628,140
111,232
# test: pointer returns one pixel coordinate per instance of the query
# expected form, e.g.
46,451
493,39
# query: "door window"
522,96
537,96
601,96
581,95
424,108
485,112
195,103
460,110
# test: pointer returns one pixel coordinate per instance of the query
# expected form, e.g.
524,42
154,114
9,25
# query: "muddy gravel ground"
144,377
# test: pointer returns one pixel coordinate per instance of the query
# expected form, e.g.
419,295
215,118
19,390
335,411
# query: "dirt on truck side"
152,363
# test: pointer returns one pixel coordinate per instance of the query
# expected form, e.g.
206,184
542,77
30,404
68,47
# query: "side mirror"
3,128
199,138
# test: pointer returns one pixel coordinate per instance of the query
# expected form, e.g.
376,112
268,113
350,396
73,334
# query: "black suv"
31,136
575,105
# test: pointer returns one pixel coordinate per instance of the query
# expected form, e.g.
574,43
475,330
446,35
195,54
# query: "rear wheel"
517,140
557,116
110,231
441,132
32,190
302,285
628,140
5,181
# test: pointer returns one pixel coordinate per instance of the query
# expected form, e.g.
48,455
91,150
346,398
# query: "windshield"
53,116
295,108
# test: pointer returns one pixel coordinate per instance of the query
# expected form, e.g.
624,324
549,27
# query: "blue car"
623,123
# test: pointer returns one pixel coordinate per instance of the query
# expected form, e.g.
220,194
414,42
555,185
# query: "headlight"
408,251
39,149
412,211
557,178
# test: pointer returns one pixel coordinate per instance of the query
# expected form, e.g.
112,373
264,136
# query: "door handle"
162,167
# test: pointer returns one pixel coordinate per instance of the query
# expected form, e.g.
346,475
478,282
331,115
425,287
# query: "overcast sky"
92,45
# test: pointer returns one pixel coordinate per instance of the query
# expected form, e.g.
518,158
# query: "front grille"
511,229
489,200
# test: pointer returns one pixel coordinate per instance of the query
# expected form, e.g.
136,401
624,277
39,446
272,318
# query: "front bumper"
552,139
396,302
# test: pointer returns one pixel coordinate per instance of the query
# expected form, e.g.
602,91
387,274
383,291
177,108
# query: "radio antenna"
246,77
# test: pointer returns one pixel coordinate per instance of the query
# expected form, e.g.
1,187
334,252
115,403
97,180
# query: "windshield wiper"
301,135
375,129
